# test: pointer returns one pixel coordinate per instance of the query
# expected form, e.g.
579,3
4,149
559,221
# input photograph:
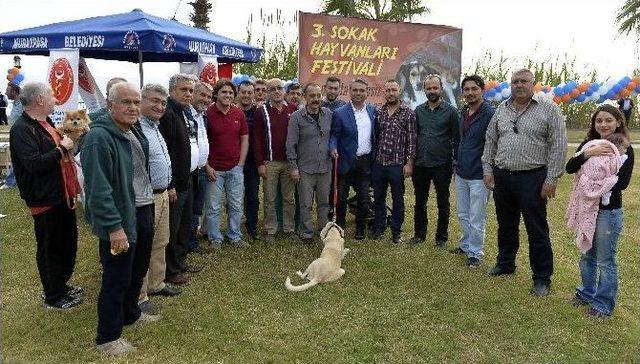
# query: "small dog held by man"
327,267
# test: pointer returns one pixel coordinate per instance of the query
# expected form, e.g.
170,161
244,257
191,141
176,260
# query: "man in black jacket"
178,128
36,151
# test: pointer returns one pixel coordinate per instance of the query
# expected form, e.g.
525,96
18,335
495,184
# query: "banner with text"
88,89
378,51
63,78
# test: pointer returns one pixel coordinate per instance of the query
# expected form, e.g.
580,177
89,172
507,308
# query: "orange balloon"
574,93
625,92
537,87
583,87
566,98
631,86
557,99
636,80
14,71
10,77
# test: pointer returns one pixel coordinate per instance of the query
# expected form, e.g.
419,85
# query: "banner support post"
140,70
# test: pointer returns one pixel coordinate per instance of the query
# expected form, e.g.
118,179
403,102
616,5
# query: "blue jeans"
231,183
10,180
598,266
472,197
383,177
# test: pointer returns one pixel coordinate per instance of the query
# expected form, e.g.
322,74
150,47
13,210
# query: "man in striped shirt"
524,154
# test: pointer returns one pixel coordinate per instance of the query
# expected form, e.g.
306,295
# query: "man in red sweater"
228,144
269,151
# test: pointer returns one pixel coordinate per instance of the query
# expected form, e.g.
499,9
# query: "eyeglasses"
127,102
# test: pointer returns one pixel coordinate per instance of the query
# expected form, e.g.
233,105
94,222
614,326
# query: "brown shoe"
178,279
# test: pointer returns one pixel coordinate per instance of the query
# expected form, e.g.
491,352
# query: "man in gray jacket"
308,155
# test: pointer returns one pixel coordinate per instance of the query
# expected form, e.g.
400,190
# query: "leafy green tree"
200,15
390,10
628,17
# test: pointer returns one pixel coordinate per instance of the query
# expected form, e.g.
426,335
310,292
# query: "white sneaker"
2,216
116,347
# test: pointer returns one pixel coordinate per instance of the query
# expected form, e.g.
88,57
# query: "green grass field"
394,305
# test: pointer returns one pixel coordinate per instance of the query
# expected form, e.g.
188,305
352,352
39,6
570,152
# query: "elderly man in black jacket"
36,152
178,128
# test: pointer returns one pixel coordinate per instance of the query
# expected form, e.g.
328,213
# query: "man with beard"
251,177
351,142
437,140
395,151
309,161
332,87
524,154
471,193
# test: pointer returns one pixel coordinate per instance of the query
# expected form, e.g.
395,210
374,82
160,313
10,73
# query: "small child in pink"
593,183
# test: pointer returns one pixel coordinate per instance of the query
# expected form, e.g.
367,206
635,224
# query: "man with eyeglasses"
437,128
524,155
351,142
152,107
269,150
309,160
260,92
119,208
179,131
246,103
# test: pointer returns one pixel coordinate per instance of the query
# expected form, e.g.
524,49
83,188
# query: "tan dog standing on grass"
327,267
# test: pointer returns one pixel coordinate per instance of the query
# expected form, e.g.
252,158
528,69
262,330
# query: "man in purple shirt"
395,150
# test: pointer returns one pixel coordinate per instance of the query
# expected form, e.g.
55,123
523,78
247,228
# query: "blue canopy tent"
134,36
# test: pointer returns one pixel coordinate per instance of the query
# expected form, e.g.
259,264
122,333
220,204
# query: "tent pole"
140,70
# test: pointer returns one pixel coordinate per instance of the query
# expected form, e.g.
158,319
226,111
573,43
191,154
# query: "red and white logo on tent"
83,79
61,80
209,74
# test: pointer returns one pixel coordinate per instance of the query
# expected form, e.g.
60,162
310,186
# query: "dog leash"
335,189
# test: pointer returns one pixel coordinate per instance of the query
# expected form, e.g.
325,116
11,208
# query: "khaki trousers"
154,280
278,173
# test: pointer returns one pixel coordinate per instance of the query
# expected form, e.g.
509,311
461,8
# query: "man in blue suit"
351,141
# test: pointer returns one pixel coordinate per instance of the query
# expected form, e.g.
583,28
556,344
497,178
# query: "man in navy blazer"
351,142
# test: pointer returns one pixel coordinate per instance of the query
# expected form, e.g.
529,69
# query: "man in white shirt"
202,98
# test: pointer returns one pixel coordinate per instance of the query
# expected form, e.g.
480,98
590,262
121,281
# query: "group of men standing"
157,164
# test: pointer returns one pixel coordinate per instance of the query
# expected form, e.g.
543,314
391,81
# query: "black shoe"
306,240
397,239
473,262
64,303
416,240
500,271
253,237
376,235
71,291
359,235
441,244
149,308
457,250
540,289
167,291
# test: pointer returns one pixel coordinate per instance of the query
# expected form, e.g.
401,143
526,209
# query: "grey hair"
31,90
205,85
153,87
180,77
114,92
523,70
113,81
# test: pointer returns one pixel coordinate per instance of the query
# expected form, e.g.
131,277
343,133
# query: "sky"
542,30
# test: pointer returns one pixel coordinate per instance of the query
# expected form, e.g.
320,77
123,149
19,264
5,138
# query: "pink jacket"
596,177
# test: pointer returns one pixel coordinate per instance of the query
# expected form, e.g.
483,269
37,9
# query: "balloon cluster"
571,91
238,78
14,76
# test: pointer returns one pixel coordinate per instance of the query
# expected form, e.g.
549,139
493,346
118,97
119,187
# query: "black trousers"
252,200
518,194
122,277
384,177
441,178
57,238
359,177
180,213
